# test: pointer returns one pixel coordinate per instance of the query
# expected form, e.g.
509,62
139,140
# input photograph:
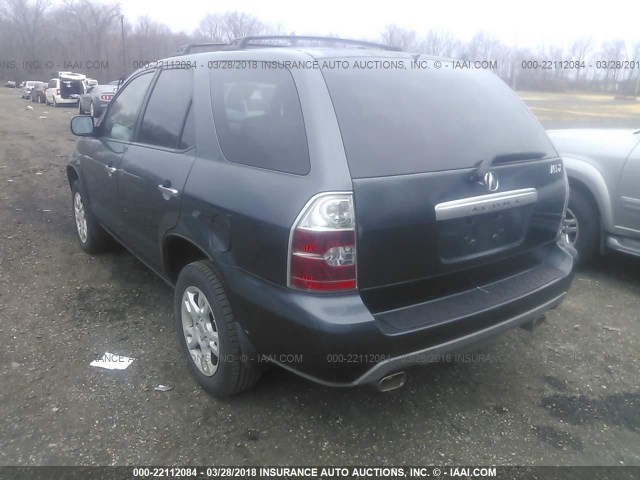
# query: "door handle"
168,192
110,170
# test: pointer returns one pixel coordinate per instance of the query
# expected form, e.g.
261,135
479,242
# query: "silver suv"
604,174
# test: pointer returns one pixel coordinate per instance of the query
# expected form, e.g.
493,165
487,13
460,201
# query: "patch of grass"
567,110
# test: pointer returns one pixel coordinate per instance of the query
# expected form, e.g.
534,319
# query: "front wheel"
92,237
207,332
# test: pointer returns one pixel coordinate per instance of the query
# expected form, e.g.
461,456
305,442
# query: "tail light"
322,245
106,98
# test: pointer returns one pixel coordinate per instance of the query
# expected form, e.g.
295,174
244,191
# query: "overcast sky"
525,24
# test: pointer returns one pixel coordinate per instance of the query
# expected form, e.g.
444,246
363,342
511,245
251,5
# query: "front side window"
164,118
258,119
123,111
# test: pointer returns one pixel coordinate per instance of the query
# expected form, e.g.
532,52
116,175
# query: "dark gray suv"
344,213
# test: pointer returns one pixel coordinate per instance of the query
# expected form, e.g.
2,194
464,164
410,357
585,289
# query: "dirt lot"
565,394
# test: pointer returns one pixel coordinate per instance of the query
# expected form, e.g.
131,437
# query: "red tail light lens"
322,252
106,98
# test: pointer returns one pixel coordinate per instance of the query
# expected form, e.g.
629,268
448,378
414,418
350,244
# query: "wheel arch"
72,175
177,252
584,176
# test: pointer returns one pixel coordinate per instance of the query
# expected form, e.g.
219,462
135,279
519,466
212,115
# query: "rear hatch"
427,227
71,85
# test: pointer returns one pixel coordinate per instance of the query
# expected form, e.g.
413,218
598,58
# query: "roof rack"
244,43
209,46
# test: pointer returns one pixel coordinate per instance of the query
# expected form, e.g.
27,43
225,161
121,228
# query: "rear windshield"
402,121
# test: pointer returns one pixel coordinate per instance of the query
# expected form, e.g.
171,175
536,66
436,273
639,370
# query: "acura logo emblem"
491,181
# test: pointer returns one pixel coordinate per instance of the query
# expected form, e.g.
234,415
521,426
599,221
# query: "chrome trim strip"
630,203
494,202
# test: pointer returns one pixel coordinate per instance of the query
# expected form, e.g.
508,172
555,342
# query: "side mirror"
82,125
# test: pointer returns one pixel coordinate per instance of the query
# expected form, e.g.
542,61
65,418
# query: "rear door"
51,90
414,138
155,168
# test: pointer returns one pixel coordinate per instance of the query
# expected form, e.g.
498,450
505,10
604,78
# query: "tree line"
39,38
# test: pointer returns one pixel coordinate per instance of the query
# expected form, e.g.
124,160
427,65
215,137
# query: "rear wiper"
485,165
636,132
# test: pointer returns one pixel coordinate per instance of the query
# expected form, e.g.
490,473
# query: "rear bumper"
66,101
335,340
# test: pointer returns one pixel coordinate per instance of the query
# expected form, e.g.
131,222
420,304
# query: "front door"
103,156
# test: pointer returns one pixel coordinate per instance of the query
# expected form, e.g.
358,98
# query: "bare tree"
212,28
239,24
439,43
59,34
28,23
399,37
94,21
579,50
613,51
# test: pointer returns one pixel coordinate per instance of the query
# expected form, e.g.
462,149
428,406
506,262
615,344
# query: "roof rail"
209,46
246,42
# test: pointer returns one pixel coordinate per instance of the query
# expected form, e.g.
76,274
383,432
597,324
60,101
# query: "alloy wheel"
81,217
200,331
570,227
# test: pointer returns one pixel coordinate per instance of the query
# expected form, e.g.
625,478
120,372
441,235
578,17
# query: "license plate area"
478,226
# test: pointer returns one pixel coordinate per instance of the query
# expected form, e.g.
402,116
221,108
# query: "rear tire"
207,332
587,217
92,237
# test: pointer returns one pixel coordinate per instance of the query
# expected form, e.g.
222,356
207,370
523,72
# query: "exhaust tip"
533,324
391,382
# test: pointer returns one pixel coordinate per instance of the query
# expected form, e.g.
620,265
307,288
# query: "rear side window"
166,113
404,121
259,120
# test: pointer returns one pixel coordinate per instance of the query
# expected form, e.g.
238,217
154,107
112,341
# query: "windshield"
408,120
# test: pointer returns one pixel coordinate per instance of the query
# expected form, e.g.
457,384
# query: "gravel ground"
565,394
